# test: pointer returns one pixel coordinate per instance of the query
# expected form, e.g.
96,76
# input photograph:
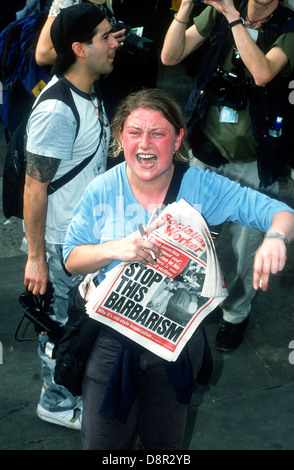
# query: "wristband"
276,235
179,21
234,23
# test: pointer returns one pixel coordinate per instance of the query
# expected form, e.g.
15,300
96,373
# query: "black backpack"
15,161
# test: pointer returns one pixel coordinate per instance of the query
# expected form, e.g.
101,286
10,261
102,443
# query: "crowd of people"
232,136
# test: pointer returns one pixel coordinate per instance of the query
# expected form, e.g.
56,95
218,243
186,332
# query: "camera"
228,89
38,309
134,43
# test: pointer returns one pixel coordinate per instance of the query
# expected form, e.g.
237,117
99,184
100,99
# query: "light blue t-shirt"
109,211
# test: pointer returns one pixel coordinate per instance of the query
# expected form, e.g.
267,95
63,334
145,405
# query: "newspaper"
161,306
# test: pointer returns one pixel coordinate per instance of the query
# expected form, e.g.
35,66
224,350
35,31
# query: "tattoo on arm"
41,168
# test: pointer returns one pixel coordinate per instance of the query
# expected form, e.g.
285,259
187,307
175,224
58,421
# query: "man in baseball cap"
67,127
76,24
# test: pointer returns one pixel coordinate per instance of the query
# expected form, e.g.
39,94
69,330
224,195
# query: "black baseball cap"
70,25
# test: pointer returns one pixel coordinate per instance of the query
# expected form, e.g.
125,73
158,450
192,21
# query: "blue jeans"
56,397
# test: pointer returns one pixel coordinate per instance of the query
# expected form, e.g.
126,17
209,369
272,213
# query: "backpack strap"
172,192
75,171
61,91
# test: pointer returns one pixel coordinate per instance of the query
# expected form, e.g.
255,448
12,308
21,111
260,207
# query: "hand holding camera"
226,7
38,310
132,41
120,36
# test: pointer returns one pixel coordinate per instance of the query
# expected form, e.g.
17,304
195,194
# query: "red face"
149,142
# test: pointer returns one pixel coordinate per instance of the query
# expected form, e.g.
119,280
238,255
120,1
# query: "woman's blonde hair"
157,100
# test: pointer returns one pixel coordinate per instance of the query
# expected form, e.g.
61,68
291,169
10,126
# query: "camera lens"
220,88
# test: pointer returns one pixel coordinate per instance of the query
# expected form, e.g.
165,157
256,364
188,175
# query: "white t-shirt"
51,133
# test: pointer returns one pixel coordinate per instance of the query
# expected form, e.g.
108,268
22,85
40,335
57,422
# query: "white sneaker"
68,418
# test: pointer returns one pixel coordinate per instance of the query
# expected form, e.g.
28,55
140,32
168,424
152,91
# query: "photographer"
238,115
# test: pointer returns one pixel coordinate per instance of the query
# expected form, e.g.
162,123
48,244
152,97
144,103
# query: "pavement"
248,404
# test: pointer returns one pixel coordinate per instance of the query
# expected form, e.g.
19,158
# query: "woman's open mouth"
146,160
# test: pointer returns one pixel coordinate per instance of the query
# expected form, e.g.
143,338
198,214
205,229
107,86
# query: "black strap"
61,91
72,173
172,192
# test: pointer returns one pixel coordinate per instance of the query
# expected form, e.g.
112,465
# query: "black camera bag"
72,351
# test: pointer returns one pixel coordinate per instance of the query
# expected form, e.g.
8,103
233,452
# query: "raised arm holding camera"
238,115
